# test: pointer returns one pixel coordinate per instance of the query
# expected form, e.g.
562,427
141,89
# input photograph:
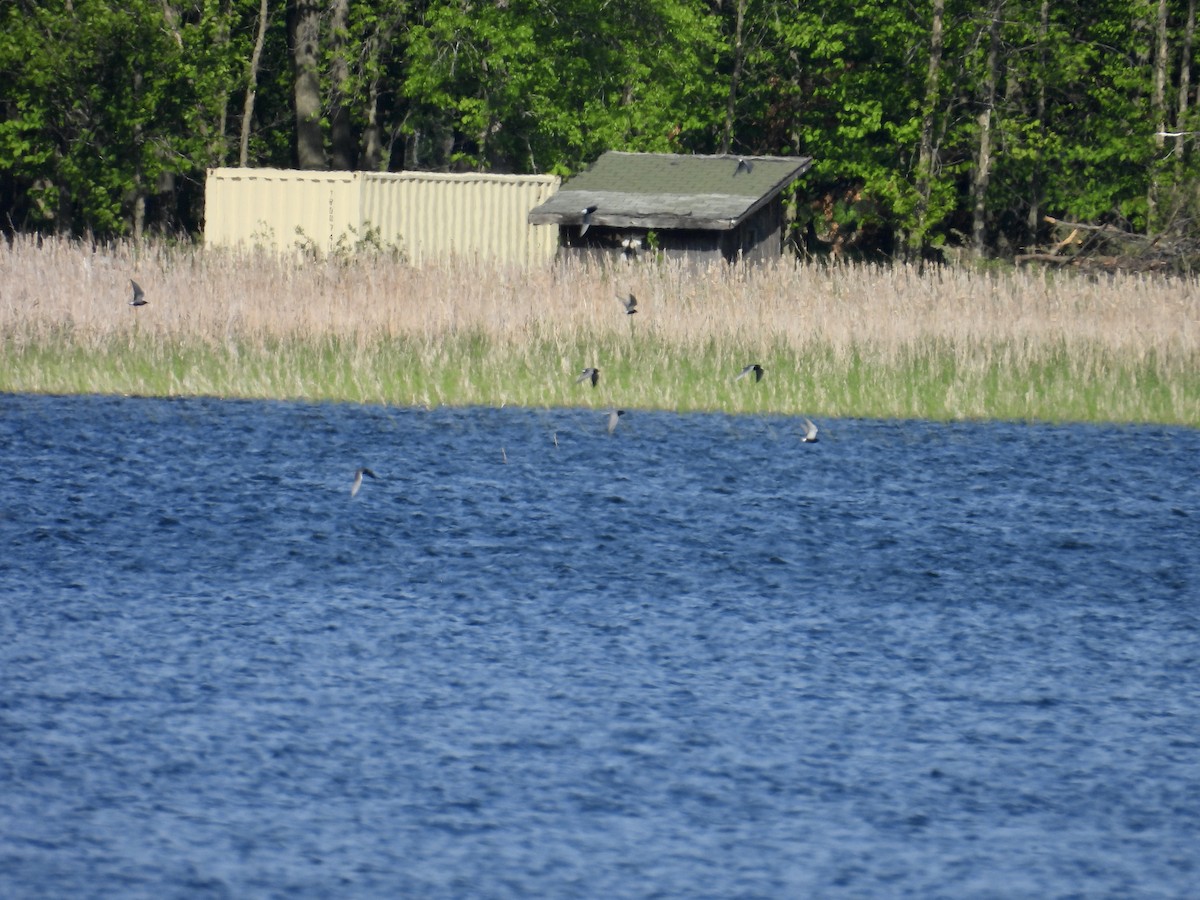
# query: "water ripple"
696,658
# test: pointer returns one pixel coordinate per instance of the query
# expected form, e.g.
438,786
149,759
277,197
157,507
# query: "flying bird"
743,165
590,372
358,477
613,418
587,219
810,432
139,296
629,303
753,367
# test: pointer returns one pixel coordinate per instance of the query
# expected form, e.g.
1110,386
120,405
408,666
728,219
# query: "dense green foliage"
111,112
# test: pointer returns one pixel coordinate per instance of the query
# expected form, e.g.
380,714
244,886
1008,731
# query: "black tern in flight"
139,296
810,432
587,219
630,304
743,165
613,418
358,477
590,372
753,367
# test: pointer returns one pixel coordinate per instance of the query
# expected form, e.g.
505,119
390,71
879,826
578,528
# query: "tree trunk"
371,153
1185,78
139,181
341,132
252,84
305,26
371,156
738,57
1034,220
1158,103
1158,98
926,151
983,163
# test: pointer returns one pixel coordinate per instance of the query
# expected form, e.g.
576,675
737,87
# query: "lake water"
696,658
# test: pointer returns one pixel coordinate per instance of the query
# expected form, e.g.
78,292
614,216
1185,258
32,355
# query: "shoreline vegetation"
836,340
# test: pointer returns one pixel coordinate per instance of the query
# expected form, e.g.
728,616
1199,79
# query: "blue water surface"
695,658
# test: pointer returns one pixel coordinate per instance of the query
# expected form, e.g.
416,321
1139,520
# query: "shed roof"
665,190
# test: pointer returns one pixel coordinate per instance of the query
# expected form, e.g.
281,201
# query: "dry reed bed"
837,340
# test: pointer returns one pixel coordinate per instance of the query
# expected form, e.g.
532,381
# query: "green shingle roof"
662,190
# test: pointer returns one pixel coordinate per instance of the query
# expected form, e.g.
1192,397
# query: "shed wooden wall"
758,239
429,216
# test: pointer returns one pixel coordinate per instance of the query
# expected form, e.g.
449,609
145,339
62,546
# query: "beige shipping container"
428,216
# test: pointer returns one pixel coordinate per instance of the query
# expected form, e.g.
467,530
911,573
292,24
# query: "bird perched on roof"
590,372
753,367
810,432
743,165
358,477
613,418
630,304
139,296
587,219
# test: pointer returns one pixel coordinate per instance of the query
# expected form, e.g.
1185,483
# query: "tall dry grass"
836,340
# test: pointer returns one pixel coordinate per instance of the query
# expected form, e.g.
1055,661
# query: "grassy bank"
861,340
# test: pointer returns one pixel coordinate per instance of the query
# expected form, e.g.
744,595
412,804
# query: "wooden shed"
700,207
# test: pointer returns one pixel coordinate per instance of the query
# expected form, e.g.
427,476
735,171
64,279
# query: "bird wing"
586,220
358,479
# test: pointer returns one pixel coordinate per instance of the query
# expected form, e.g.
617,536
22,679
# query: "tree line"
934,124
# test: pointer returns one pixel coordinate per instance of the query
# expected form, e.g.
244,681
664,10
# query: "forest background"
934,124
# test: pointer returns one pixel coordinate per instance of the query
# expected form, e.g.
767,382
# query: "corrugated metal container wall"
430,216
435,216
280,209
